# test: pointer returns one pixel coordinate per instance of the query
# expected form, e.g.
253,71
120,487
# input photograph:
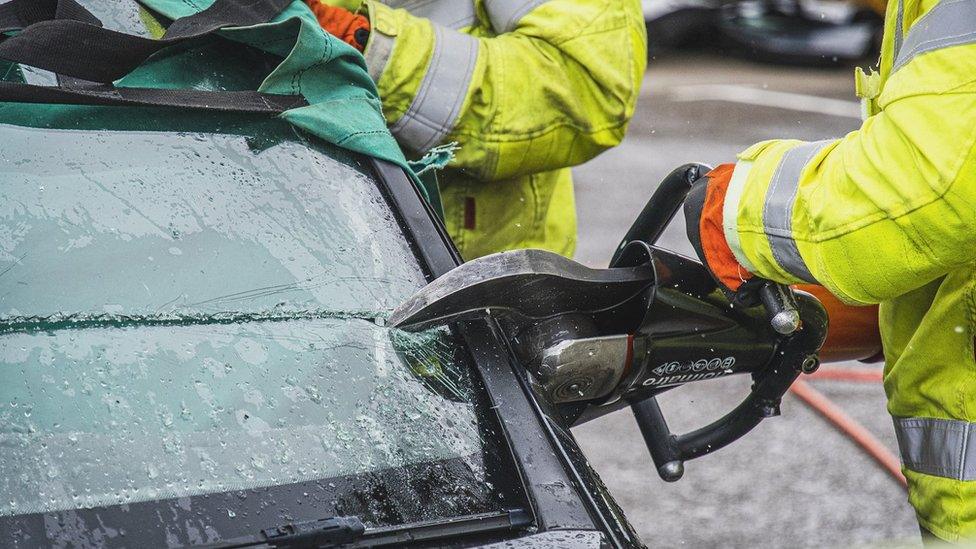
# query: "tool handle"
662,206
661,443
796,354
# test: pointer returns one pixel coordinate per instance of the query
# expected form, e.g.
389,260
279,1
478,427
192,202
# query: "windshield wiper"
349,532
322,532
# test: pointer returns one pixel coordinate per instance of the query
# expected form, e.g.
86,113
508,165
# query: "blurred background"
720,78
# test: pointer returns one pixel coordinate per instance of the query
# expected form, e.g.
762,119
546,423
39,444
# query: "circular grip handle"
796,353
661,207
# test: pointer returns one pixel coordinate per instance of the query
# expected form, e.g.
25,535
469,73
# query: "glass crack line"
75,321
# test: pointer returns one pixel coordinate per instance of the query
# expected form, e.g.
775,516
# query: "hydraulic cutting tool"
596,340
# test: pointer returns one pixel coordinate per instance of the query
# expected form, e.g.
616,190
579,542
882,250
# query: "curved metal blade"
535,284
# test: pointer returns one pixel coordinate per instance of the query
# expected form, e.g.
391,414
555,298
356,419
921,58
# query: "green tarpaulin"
343,104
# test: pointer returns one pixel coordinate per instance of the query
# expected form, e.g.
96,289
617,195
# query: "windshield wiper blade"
349,532
318,533
483,523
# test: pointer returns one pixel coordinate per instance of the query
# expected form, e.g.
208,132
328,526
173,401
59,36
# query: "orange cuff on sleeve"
341,23
721,260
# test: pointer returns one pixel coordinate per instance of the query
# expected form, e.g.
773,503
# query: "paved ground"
793,482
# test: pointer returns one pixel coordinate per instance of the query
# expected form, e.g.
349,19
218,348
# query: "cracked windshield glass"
190,313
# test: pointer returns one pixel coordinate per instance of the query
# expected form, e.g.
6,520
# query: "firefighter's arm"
871,216
554,88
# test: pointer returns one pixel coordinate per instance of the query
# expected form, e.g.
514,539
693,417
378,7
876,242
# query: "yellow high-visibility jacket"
887,214
527,88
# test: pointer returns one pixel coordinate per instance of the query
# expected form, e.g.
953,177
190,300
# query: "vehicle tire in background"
800,33
680,28
793,32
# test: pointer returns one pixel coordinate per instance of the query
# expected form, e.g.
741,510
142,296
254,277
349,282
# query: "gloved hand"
703,218
853,332
345,25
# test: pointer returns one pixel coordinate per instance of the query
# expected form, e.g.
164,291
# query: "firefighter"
527,88
885,214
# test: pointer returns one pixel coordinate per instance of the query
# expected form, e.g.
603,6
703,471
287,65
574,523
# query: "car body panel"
201,262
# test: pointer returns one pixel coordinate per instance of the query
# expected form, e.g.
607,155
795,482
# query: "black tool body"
597,340
683,330
689,331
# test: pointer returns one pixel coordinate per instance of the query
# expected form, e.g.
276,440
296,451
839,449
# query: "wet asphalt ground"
794,481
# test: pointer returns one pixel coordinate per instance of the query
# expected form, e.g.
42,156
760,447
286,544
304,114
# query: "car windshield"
186,313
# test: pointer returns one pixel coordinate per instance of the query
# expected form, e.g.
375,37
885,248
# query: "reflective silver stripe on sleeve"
778,209
505,14
939,447
453,14
730,212
899,23
435,109
377,53
949,23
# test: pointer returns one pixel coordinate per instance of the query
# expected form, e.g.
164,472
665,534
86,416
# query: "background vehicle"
192,341
806,32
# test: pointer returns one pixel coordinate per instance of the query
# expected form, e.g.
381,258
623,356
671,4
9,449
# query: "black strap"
89,52
228,101
54,31
19,14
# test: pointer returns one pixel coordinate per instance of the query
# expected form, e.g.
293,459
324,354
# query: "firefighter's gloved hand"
703,218
351,28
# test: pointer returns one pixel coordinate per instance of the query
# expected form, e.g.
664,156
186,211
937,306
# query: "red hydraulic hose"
849,427
863,375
